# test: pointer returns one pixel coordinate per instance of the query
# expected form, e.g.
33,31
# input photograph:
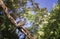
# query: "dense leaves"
45,25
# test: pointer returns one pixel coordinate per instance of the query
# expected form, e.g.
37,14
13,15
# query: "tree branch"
9,16
25,31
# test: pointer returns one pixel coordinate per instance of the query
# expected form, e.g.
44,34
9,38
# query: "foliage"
48,25
45,25
50,28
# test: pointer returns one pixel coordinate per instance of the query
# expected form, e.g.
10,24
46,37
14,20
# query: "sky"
45,3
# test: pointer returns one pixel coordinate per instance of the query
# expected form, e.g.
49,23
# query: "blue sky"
45,3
